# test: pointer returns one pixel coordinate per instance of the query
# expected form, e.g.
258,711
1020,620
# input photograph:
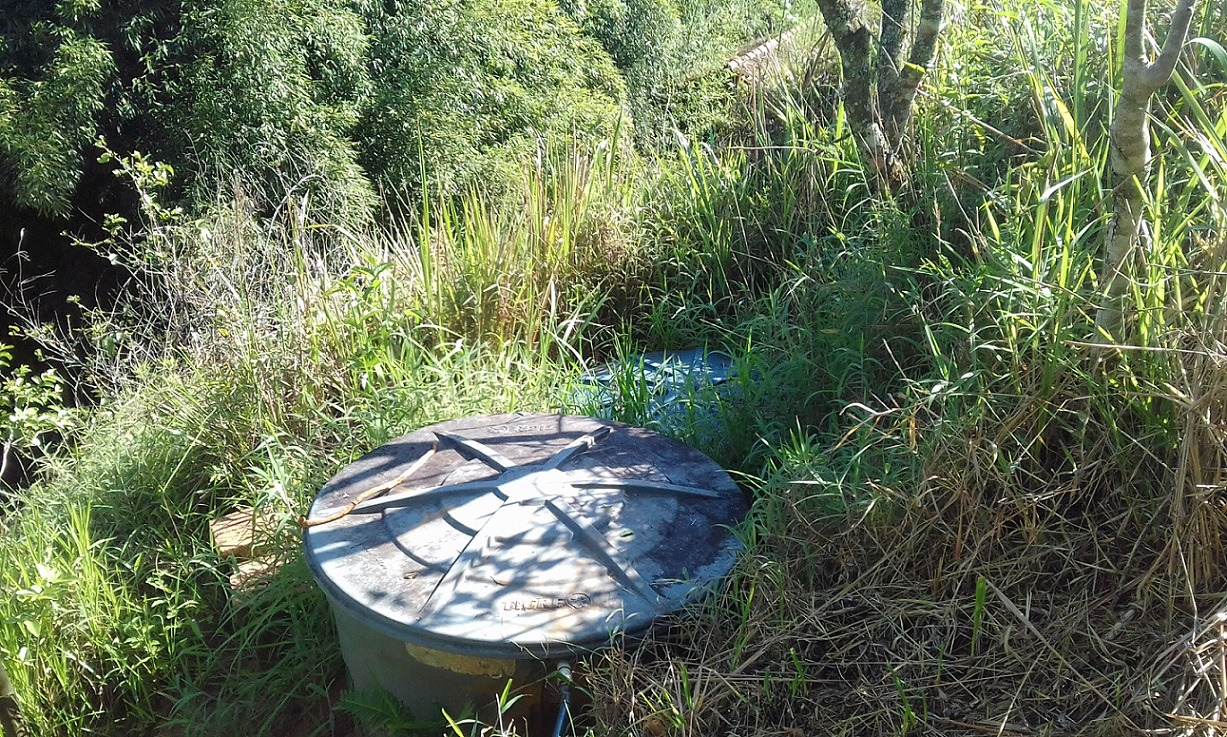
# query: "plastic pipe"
564,691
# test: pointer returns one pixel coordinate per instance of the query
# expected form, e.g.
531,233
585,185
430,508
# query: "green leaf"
1215,48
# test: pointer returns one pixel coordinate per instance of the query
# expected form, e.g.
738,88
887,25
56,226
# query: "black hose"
564,692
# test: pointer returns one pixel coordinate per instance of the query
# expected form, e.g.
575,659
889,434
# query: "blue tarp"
663,386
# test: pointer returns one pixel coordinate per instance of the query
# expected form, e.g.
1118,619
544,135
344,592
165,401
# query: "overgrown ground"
970,515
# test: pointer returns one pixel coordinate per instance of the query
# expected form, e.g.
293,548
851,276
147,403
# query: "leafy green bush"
640,35
673,55
268,92
463,89
319,99
332,100
31,407
52,85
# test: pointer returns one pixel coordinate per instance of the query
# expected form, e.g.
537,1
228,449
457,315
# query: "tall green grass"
964,508
274,352
1002,450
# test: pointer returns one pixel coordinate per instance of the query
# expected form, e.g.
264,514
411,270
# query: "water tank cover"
501,535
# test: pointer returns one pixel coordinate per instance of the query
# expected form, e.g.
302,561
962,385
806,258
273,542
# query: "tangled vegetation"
972,511
334,99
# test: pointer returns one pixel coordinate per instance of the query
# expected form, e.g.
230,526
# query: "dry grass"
1055,566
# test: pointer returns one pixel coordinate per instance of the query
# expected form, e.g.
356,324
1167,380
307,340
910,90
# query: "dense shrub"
321,97
52,84
268,92
673,55
640,35
332,99
463,88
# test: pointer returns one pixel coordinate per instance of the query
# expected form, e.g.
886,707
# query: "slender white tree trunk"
1130,155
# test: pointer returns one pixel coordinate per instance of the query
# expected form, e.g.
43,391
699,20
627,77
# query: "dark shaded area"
46,278
42,274
11,724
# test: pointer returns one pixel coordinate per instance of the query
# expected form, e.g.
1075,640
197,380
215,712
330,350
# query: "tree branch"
924,48
845,19
1129,152
878,99
1160,71
890,54
1135,21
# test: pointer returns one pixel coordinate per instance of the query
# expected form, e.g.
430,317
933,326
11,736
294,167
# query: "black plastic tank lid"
503,535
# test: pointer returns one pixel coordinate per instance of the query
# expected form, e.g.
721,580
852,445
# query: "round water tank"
488,548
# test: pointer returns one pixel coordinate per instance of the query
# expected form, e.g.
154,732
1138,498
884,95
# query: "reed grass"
1011,544
968,517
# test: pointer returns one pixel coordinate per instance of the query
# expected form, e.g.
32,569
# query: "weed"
921,411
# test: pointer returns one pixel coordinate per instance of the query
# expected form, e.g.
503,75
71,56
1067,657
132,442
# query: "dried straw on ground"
1051,571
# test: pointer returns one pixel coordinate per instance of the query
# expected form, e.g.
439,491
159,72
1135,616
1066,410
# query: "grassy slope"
963,518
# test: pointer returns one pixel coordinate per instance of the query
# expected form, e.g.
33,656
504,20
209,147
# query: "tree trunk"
846,21
10,716
1130,155
924,48
879,103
